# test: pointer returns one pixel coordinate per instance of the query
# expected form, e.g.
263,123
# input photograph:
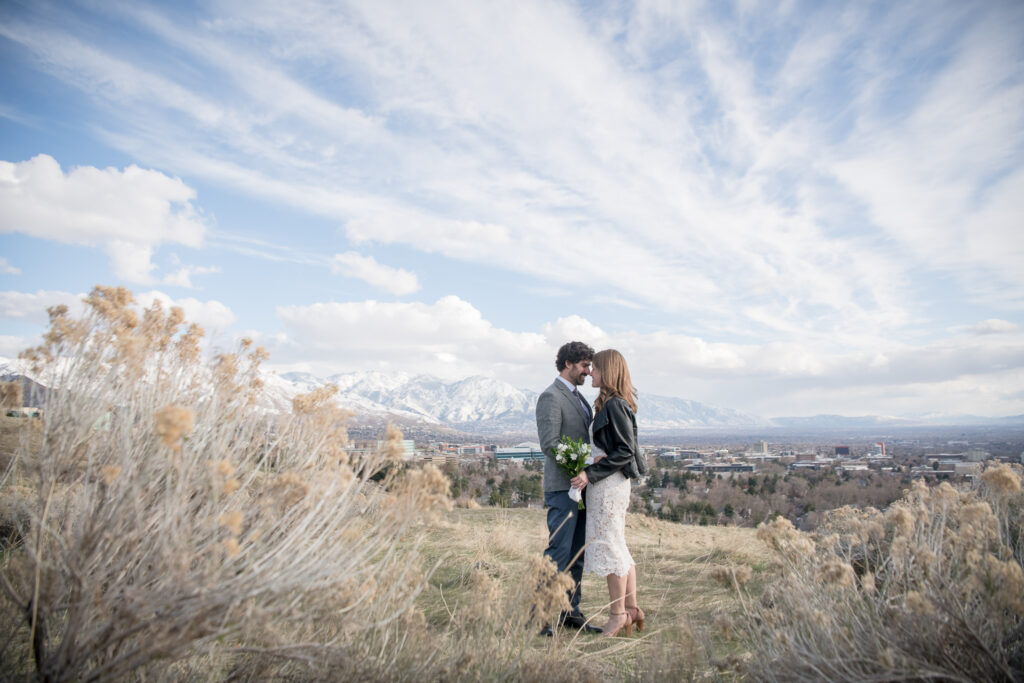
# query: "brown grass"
685,605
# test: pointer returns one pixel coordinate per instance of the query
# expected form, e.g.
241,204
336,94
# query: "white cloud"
810,199
131,261
994,326
449,338
31,306
574,328
183,276
7,268
212,315
127,212
366,268
11,346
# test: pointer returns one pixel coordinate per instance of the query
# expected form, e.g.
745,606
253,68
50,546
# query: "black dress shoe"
573,619
546,631
578,621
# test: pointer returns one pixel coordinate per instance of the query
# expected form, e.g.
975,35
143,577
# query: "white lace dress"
607,501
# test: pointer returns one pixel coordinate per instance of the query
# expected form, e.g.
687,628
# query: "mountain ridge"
488,406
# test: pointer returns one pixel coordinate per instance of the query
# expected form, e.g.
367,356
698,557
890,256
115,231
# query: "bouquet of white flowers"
572,455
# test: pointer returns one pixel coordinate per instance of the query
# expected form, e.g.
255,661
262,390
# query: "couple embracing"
592,539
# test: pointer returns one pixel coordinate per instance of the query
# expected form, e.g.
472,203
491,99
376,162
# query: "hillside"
686,606
684,602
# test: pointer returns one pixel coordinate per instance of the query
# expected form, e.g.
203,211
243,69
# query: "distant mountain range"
481,405
488,406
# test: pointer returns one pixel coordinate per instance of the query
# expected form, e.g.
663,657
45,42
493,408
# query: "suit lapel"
575,401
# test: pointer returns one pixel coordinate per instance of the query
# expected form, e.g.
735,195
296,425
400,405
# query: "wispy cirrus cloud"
783,193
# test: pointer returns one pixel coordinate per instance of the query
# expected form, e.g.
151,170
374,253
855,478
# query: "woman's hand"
579,481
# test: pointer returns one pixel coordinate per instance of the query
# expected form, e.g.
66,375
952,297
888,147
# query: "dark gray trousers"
566,542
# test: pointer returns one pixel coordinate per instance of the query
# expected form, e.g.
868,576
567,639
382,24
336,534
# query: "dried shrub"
933,589
11,395
491,635
733,576
163,519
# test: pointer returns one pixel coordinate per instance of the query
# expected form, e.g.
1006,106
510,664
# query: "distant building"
947,457
720,468
812,462
760,457
460,448
968,468
524,451
362,447
842,451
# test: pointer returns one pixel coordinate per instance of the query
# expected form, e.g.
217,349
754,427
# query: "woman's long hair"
614,379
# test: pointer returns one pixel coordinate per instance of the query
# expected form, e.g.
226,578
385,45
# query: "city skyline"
786,209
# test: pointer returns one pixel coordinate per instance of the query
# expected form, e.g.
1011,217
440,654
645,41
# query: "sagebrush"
158,515
930,589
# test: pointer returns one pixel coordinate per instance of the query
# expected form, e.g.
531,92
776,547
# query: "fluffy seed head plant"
931,589
166,520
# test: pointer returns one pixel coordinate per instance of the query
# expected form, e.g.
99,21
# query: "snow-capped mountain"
664,413
482,404
488,406
473,404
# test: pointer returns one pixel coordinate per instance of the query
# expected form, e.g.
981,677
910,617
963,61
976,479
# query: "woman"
616,458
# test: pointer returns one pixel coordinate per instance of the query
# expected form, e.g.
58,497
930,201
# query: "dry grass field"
684,602
686,605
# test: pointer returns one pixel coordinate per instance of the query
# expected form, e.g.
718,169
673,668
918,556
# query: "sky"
786,208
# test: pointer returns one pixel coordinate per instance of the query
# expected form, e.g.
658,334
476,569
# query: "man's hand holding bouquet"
572,455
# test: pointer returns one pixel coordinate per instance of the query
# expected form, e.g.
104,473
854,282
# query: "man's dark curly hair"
573,352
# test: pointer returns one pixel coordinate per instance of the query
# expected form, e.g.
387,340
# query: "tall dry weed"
11,395
931,589
492,635
164,517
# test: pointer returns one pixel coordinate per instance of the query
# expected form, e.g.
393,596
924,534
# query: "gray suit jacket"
559,413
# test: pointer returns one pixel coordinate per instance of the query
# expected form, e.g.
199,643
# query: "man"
562,411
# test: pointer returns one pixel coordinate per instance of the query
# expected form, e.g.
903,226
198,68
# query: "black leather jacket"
615,434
